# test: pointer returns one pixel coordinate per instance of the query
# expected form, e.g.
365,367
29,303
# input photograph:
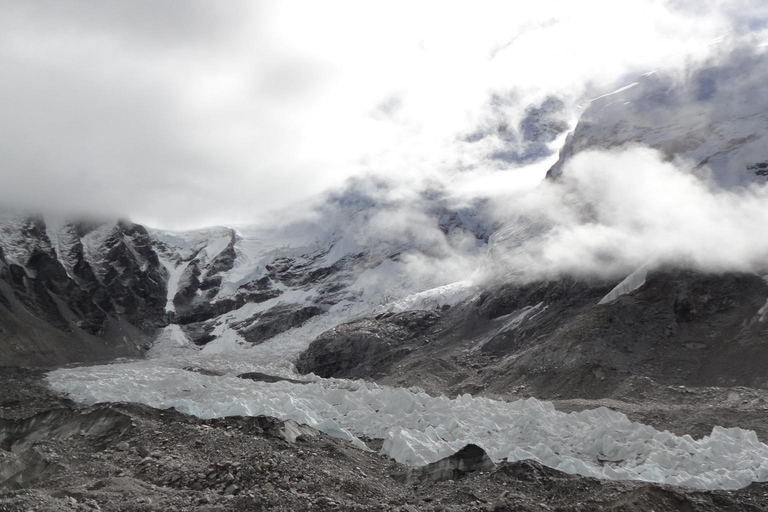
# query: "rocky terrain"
124,457
557,340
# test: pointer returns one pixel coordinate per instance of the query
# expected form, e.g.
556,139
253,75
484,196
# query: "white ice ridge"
631,283
419,429
617,91
435,298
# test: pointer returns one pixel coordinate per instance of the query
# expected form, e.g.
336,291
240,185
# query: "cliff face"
77,292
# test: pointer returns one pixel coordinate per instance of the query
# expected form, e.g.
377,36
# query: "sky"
181,114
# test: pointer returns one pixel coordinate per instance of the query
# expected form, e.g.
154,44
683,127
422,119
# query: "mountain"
77,291
715,118
597,335
365,264
368,321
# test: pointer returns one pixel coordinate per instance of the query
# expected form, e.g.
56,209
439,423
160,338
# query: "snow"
171,341
762,313
93,244
200,245
436,298
712,120
192,240
16,248
621,89
394,284
632,282
511,322
63,239
227,340
418,428
215,246
175,270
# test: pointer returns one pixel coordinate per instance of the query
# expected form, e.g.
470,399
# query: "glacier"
417,428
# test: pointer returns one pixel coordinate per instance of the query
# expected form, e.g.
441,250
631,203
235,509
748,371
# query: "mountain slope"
365,250
75,292
592,334
66,287
716,118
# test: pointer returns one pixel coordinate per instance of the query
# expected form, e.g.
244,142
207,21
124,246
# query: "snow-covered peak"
21,236
715,118
189,243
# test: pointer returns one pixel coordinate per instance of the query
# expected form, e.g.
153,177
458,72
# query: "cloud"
616,210
191,113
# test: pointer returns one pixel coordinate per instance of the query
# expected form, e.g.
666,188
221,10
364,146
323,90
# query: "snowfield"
418,428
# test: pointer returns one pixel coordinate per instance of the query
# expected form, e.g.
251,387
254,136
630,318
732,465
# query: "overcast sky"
182,113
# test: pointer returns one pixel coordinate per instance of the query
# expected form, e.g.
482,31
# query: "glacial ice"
418,428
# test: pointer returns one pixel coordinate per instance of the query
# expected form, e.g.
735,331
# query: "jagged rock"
274,321
363,347
21,436
469,459
76,291
263,377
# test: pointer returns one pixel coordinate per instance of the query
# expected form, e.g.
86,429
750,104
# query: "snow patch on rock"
632,282
175,270
436,298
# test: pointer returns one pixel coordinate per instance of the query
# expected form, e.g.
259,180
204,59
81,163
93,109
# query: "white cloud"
614,211
195,112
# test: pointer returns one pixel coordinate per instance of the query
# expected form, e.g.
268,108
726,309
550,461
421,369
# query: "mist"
196,113
615,211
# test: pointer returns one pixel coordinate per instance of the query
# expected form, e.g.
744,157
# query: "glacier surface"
418,428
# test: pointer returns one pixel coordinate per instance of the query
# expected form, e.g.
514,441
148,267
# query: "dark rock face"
275,321
367,346
528,140
199,333
196,299
681,328
200,311
135,285
469,459
62,304
263,377
301,271
760,168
